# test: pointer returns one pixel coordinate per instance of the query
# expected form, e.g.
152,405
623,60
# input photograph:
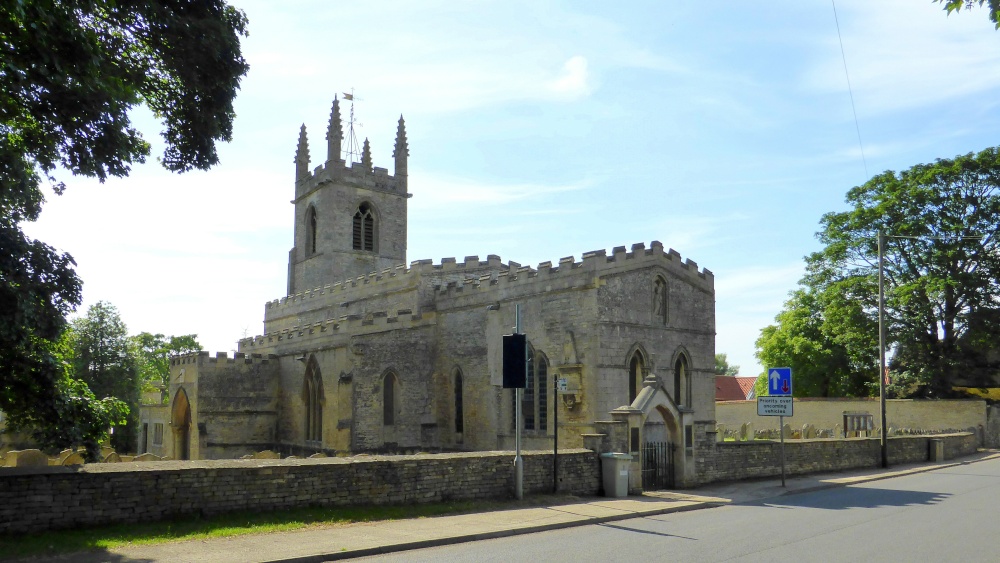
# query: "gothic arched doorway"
180,421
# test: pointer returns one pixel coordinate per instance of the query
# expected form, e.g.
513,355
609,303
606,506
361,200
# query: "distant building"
734,388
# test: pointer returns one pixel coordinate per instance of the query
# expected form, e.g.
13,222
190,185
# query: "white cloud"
572,83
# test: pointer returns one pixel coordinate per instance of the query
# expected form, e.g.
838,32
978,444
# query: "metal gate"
657,465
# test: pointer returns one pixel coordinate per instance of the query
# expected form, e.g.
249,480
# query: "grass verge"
238,524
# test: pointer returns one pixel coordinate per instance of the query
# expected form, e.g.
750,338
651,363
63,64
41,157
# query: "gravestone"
73,459
267,454
318,455
112,457
146,457
26,458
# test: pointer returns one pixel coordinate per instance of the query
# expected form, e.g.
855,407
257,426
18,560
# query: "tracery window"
535,397
636,373
364,228
313,390
682,381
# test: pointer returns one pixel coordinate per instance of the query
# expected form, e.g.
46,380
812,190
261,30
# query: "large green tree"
808,337
102,358
70,71
152,355
941,223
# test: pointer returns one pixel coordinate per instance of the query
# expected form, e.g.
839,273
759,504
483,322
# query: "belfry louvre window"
364,228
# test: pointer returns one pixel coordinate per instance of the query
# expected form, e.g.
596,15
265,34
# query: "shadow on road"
95,556
641,531
843,498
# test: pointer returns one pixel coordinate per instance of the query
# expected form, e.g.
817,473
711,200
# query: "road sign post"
779,403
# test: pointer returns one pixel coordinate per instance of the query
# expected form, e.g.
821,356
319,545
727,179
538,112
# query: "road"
952,514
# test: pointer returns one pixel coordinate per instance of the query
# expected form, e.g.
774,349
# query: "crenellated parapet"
204,357
426,286
344,325
595,263
396,279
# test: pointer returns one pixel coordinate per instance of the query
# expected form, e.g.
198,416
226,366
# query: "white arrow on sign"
775,377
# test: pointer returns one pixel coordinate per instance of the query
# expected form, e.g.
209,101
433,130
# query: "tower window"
364,228
311,224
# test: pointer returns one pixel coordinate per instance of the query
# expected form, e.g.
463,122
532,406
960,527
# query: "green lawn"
238,524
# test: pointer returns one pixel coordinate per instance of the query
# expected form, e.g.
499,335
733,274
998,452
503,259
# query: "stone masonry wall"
825,413
734,461
95,494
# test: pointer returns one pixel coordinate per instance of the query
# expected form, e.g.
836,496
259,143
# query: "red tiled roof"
746,384
728,389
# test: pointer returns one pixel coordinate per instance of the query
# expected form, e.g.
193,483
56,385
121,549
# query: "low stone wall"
917,416
735,461
34,500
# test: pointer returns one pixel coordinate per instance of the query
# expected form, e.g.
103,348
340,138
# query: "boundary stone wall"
735,461
939,415
35,500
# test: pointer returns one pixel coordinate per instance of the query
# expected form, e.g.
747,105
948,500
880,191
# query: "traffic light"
515,355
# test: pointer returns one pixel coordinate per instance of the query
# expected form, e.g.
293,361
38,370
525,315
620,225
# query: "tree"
152,356
70,71
102,358
957,5
807,338
722,366
942,263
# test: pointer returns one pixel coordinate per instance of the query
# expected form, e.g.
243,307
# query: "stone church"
366,353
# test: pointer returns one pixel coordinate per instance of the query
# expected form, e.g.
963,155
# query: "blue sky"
540,130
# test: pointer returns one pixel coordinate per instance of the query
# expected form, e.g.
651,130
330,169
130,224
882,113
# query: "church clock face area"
368,352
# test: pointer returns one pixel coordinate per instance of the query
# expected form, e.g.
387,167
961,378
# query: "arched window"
311,224
364,228
535,397
682,382
459,413
660,300
390,399
314,399
636,373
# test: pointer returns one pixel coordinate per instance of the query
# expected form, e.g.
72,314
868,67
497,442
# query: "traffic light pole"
518,462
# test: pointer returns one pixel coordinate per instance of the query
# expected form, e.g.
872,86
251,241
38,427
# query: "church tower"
349,220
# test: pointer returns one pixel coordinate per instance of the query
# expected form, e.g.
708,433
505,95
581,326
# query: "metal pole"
781,431
555,435
881,347
518,462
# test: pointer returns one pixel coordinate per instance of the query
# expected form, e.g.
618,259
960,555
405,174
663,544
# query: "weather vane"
352,150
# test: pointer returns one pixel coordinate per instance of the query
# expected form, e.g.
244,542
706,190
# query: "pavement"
345,541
